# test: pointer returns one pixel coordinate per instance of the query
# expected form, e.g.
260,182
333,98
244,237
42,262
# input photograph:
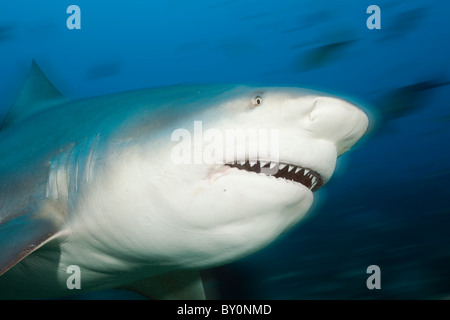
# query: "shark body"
92,183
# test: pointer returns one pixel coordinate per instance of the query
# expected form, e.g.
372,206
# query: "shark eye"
257,101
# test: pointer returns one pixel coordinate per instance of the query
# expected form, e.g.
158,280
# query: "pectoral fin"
22,235
175,285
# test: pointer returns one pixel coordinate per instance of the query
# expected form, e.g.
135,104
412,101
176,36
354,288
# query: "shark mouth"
307,177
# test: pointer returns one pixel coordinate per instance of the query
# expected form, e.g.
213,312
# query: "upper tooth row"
272,165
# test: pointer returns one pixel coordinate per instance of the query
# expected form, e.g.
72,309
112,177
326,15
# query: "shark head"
222,177
150,183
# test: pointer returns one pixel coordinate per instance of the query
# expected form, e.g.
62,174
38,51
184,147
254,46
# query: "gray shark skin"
93,183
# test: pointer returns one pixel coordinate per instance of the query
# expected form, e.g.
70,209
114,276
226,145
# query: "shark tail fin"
37,94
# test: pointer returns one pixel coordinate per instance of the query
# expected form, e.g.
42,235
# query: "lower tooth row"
314,179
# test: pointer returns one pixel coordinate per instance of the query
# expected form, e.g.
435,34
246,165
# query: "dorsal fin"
37,94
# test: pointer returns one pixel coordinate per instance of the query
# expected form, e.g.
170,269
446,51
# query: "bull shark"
93,183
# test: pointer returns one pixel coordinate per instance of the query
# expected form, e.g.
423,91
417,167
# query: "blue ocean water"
387,204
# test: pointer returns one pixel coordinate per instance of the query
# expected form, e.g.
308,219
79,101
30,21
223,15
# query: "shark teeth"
288,172
263,163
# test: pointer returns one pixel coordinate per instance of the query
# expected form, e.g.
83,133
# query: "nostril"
310,113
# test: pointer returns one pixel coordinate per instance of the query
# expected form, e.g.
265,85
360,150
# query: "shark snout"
337,120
